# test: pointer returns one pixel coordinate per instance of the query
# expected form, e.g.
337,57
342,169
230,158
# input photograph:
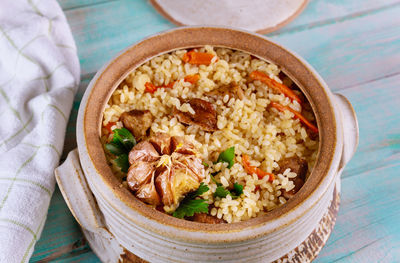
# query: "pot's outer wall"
128,218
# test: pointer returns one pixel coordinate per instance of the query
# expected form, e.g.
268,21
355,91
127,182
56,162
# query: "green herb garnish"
124,137
115,148
238,189
227,156
221,192
121,144
201,190
123,162
189,205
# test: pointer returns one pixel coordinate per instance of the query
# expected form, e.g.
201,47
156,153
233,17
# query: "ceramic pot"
113,219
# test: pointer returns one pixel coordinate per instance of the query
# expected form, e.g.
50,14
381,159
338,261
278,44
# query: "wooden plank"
367,228
61,233
377,107
88,257
98,41
351,52
322,12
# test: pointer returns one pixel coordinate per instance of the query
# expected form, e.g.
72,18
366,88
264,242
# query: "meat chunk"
208,219
298,166
205,115
233,91
137,121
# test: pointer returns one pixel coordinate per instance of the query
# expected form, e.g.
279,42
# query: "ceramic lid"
262,16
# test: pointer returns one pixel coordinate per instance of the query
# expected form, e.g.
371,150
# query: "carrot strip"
151,88
197,58
296,114
192,78
255,170
258,75
169,86
108,126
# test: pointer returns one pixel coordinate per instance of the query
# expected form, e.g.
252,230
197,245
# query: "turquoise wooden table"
354,45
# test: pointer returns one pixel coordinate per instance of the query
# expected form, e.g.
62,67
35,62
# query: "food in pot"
211,135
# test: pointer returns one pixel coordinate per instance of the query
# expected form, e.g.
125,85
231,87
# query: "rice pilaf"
249,124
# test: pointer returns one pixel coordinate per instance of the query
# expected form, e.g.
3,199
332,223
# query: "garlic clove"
139,173
143,151
148,193
163,186
180,145
162,143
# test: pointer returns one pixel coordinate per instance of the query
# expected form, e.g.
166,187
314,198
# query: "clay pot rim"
313,87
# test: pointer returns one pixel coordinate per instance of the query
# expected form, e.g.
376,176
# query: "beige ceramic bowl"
114,219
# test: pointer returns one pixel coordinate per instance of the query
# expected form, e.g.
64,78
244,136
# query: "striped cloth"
39,75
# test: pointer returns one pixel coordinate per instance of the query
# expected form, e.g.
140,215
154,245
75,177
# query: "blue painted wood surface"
354,45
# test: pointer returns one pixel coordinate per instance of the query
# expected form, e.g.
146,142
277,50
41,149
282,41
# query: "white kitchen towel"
39,75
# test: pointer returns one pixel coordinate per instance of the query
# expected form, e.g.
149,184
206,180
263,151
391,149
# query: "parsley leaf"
123,162
124,137
227,156
189,205
221,192
121,144
115,148
238,189
201,190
